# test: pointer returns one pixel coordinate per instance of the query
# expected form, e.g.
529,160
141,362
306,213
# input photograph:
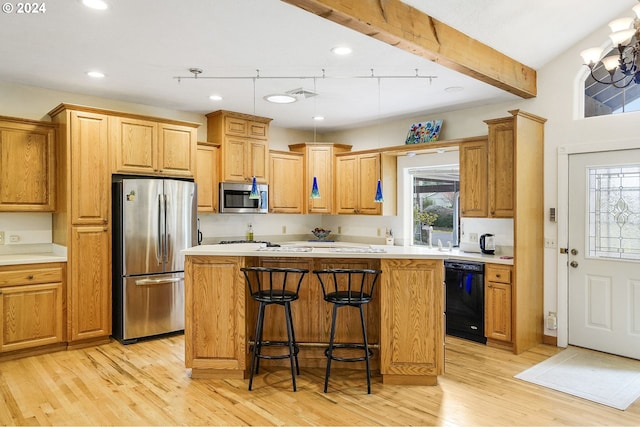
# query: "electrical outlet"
1,237
379,231
473,237
550,242
284,229
14,238
339,230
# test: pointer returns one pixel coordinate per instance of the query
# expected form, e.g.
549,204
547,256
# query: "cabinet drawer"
30,276
498,274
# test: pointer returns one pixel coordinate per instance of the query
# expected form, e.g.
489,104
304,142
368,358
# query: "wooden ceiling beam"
409,29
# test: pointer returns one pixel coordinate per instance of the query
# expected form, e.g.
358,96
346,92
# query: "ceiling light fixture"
280,98
95,74
341,50
623,67
215,98
95,4
453,89
318,118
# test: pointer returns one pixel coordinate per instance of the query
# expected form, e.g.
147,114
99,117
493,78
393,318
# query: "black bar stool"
348,288
268,286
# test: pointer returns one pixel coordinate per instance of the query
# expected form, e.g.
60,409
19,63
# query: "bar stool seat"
269,286
348,288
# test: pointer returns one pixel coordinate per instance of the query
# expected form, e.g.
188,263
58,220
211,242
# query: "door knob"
574,252
573,264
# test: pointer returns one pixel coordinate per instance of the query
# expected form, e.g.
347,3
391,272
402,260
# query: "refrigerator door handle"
145,282
160,235
165,247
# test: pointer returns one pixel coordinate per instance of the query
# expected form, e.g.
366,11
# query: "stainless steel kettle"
488,244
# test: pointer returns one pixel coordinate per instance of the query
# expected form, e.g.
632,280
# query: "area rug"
600,377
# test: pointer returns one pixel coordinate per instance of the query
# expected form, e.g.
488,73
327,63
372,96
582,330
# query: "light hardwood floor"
146,384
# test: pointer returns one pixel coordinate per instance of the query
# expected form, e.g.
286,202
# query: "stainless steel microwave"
235,198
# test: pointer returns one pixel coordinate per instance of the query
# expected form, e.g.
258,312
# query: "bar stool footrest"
285,344
349,359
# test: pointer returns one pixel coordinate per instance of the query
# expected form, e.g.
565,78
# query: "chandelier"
623,67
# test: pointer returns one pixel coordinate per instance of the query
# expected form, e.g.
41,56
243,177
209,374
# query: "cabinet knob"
30,277
497,275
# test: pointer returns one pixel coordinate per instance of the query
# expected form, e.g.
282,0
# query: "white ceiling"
142,45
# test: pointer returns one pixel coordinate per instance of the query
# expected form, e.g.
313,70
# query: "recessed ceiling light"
318,118
95,74
341,50
95,4
215,98
452,89
280,98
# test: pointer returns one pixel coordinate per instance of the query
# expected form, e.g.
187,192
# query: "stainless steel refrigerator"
153,220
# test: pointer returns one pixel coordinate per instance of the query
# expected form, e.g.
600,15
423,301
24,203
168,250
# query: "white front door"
604,251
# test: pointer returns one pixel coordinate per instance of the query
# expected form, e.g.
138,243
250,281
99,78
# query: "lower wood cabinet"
89,293
498,304
32,306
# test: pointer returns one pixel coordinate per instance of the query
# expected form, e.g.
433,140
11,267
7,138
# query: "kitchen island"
405,320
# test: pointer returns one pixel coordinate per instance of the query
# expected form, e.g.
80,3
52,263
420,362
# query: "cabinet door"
176,150
27,168
501,170
90,283
368,175
320,166
32,316
235,126
215,322
257,130
135,145
411,319
233,166
473,179
346,185
90,172
206,178
258,157
285,192
497,316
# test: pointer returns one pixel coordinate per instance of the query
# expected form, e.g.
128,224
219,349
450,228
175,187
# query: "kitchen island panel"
215,327
412,321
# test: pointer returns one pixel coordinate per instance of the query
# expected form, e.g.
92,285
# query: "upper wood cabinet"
27,165
244,145
356,181
286,182
153,147
501,168
473,179
207,171
319,164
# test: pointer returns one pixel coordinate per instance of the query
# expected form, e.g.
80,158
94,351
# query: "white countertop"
39,254
341,250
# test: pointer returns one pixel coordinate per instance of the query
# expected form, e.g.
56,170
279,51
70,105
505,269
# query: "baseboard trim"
550,340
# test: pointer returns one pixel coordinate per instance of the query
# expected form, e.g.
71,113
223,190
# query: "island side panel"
412,321
215,322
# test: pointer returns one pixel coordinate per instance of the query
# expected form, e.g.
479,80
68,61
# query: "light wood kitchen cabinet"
32,306
286,182
319,164
411,321
90,284
497,297
206,176
473,179
244,145
215,311
27,165
502,167
152,147
82,221
356,181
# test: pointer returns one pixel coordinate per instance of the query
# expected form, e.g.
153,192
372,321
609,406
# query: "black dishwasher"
464,281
